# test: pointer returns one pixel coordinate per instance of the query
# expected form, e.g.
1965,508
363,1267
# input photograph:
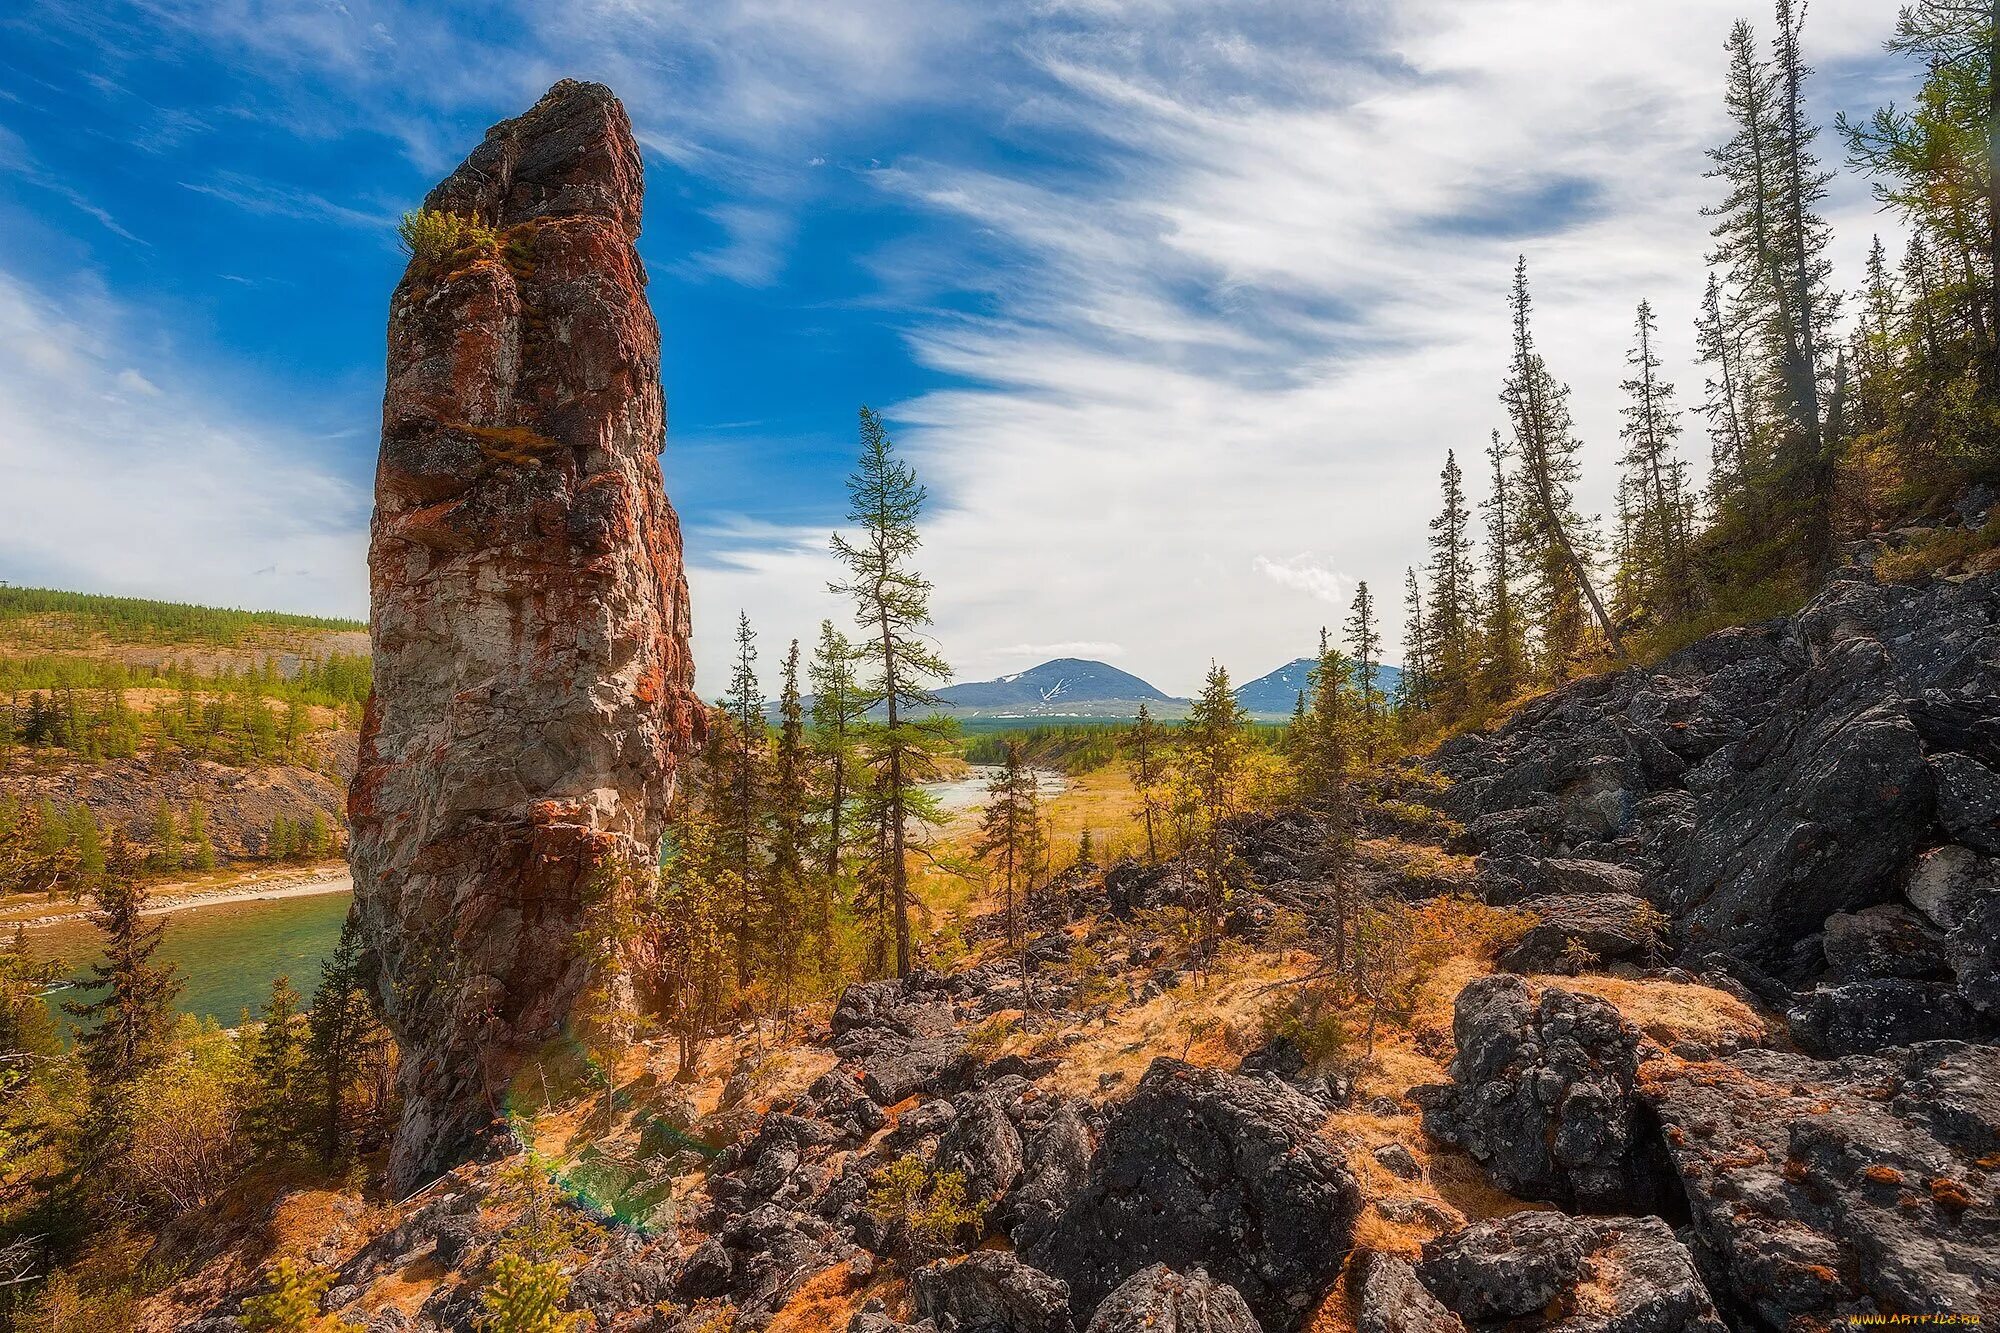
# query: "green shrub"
523,1296
929,1202
292,1304
430,234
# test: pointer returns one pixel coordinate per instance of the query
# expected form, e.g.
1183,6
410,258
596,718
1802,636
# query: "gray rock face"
529,617
1822,1189
1946,882
1542,1096
1392,1300
1579,1275
991,1292
1770,783
1859,1016
1159,1300
1968,800
1058,1156
1203,1169
1888,940
983,1144
1611,927
1506,1268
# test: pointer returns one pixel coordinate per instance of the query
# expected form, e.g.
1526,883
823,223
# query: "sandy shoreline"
239,892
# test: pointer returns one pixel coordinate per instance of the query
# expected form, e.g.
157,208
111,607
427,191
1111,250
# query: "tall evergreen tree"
338,1026
278,1106
1771,241
1555,534
1416,689
1659,564
833,718
1364,636
892,603
1210,750
789,909
1454,610
1007,834
1143,748
745,703
127,1025
1502,666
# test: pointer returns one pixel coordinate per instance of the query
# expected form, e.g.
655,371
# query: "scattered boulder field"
1633,1117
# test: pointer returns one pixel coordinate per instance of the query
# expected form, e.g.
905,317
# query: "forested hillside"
175,738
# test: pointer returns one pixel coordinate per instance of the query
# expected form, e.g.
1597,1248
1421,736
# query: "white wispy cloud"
1237,313
115,484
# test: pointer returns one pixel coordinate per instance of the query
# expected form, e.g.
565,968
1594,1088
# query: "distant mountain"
1277,693
1066,687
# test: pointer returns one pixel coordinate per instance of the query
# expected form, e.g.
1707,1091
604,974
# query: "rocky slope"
1813,803
1621,1117
530,615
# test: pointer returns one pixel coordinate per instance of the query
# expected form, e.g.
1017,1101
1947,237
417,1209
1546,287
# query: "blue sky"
1176,305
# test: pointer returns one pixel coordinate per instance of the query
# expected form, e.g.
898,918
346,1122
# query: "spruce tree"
1142,747
1659,564
833,716
892,604
1502,667
1454,609
339,1025
1007,835
1210,750
1416,690
278,1104
1364,637
125,1028
788,910
745,777
1552,531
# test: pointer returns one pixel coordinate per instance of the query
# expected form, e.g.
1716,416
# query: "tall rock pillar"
533,686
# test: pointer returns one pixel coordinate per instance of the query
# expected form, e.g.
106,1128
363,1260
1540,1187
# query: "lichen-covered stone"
529,616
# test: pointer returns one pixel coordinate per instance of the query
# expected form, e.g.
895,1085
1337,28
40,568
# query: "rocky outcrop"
1548,1271
1821,1189
1200,1168
1768,785
1542,1097
530,616
1813,1189
1159,1300
989,1291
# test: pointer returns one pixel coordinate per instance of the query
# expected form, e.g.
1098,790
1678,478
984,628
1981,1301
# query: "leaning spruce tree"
892,608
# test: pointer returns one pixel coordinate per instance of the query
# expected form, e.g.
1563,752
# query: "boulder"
1156,1299
1057,1159
983,1144
1968,801
528,618
1860,1016
1820,1190
990,1291
1579,1275
1518,879
1946,881
1610,927
1390,1299
1887,940
1974,949
1506,1268
1541,1096
1205,1169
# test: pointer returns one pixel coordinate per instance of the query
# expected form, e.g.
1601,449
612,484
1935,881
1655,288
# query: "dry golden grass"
832,1297
1211,1023
1671,1011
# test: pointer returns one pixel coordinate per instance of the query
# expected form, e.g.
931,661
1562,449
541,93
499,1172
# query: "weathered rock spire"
530,615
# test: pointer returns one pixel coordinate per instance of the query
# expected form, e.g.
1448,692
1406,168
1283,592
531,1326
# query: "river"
229,953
